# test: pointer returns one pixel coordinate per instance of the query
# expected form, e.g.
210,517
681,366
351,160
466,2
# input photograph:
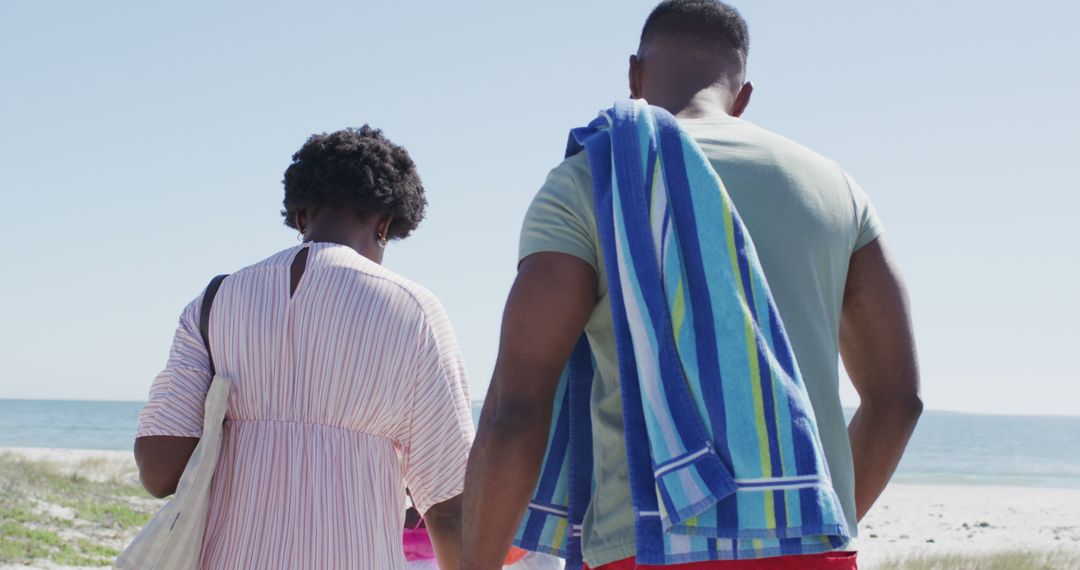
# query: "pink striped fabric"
342,394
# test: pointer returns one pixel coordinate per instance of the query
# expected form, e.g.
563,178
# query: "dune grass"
1013,560
66,518
51,516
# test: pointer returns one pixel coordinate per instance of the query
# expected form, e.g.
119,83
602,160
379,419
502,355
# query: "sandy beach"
937,519
62,508
908,520
93,464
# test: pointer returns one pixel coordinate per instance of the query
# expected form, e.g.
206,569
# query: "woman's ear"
383,226
300,220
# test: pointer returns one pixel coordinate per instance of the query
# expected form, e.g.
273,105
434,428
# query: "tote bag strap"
204,316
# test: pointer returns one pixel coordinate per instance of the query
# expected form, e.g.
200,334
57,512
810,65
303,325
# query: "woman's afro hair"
358,169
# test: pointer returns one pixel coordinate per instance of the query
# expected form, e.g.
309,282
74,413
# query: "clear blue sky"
142,147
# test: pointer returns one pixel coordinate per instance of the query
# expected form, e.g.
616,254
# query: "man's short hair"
699,22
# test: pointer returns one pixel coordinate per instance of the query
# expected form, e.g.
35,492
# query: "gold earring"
382,240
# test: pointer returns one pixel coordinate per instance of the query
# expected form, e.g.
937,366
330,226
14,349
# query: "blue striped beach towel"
725,460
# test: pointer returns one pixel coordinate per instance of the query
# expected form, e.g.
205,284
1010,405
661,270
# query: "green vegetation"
67,518
116,515
998,561
83,516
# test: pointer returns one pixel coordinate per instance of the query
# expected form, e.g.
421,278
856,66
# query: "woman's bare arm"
161,460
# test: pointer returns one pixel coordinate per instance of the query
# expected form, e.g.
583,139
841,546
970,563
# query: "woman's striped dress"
343,394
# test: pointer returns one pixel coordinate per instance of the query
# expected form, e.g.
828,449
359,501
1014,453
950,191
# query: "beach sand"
940,519
908,520
93,464
68,508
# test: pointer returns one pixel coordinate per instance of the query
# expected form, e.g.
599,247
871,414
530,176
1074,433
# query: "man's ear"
635,77
742,100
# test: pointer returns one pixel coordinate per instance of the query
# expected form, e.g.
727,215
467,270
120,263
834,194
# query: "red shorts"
826,561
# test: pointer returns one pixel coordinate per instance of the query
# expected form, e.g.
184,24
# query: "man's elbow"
913,405
906,406
516,420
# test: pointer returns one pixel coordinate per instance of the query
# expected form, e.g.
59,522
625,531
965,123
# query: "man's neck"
702,104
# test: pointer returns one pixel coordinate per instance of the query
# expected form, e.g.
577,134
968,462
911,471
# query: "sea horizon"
947,447
847,409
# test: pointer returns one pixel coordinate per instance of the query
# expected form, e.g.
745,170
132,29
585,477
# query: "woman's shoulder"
423,299
283,257
380,280
354,271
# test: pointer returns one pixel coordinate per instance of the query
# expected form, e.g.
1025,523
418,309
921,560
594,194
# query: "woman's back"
343,392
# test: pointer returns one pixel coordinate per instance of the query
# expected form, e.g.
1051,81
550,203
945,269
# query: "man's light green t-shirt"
806,217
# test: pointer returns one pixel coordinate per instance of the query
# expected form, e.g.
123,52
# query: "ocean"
949,448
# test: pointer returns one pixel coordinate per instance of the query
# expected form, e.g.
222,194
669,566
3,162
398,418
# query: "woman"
348,383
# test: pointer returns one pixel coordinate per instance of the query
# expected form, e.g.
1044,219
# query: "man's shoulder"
791,149
561,216
570,175
567,188
766,148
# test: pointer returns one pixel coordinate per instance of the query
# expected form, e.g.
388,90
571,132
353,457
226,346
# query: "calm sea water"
946,448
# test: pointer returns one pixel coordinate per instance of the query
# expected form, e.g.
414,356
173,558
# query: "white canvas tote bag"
173,538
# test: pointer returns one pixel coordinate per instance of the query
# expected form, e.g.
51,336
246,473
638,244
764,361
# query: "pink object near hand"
417,544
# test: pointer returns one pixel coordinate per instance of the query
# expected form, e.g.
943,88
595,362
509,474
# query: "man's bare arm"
549,305
878,349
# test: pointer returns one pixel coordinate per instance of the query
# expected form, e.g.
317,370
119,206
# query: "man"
820,244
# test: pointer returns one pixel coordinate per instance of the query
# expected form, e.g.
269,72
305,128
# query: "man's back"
805,217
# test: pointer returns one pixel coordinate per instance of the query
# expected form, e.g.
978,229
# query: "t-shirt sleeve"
868,225
178,395
441,429
560,218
